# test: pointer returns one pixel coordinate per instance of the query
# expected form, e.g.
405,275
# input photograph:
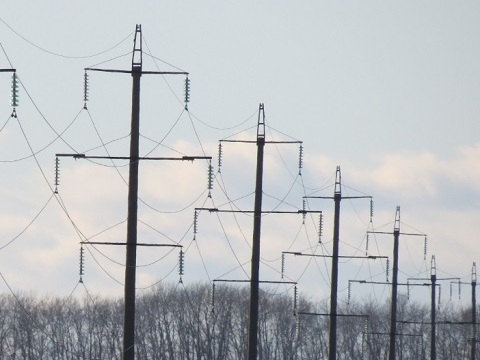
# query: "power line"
59,54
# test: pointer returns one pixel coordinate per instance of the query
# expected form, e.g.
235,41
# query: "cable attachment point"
187,92
85,90
14,95
81,271
300,160
57,174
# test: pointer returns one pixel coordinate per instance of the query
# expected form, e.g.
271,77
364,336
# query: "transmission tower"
134,158
256,238
337,197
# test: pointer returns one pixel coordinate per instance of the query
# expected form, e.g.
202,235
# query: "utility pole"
332,353
393,312
433,277
131,251
134,159
337,197
260,141
257,222
393,307
474,309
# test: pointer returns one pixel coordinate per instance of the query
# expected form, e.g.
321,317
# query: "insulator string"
181,265
320,228
219,156
371,210
213,298
304,213
439,295
425,244
300,160
295,300
14,95
187,92
85,90
388,268
367,243
57,174
81,270
210,178
349,292
195,223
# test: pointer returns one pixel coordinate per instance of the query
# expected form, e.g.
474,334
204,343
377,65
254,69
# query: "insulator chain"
213,298
367,240
300,160
371,210
304,208
195,223
210,178
187,92
459,290
57,174
349,292
295,300
439,295
219,156
451,290
408,290
297,327
81,270
283,265
181,260
388,268
85,90
425,244
14,95
320,228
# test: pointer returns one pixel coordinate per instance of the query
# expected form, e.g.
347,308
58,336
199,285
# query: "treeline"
179,323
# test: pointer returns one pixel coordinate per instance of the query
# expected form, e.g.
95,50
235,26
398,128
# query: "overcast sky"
388,91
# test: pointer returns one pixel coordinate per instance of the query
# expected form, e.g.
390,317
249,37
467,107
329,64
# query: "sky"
387,91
